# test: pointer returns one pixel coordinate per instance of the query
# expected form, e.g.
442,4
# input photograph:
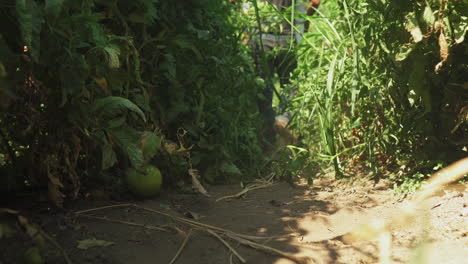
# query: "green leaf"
53,7
164,206
23,10
127,139
228,167
113,105
150,144
417,81
30,22
135,155
169,65
405,51
186,43
142,101
116,122
460,28
71,77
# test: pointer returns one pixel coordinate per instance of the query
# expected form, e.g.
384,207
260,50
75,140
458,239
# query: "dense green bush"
383,83
90,87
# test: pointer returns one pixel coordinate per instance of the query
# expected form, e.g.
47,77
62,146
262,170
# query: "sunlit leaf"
460,29
412,26
405,51
428,16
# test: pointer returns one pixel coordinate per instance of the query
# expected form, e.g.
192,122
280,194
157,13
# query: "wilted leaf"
109,158
196,182
170,147
444,51
102,82
93,242
113,105
150,144
113,56
54,185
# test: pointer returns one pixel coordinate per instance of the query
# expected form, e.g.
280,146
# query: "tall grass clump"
381,85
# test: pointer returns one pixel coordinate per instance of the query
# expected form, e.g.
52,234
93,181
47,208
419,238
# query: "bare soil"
301,220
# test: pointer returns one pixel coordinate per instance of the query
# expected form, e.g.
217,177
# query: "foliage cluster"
88,88
384,83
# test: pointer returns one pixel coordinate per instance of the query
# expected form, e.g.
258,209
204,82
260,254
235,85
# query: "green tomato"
145,182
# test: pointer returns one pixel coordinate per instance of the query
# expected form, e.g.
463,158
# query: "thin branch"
181,247
152,227
102,208
299,260
246,190
227,245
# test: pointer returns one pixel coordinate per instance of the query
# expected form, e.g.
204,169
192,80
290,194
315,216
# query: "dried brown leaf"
444,51
102,82
55,194
196,182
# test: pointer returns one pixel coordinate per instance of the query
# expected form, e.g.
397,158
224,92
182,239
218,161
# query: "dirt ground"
300,220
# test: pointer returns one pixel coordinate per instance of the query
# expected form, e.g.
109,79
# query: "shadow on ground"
301,220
